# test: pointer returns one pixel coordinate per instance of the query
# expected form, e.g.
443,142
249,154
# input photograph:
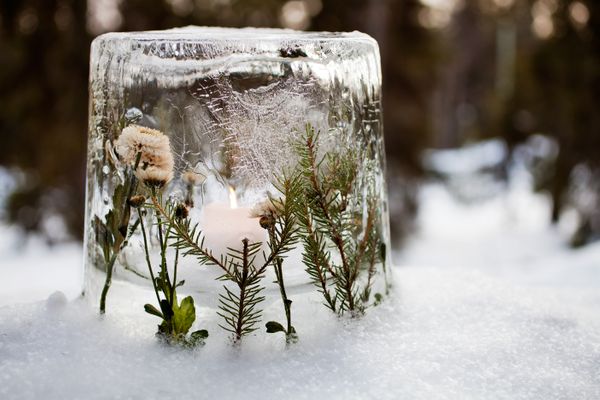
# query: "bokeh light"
579,14
295,15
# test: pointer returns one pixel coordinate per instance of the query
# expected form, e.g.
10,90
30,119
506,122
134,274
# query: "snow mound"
443,335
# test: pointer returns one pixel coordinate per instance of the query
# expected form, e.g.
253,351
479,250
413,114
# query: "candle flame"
232,198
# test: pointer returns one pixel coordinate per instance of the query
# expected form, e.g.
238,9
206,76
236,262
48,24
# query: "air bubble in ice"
133,115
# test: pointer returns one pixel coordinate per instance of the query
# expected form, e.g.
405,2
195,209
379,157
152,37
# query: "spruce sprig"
317,258
331,220
240,310
284,232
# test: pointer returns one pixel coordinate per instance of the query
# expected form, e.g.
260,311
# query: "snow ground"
489,304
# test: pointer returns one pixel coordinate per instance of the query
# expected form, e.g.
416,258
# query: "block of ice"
234,103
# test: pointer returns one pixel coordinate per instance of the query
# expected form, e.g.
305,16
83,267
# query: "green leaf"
150,309
378,299
197,338
201,334
184,315
119,196
180,283
163,330
273,327
166,309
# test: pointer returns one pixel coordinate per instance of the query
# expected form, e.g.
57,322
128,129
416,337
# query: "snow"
489,303
8,182
30,270
468,159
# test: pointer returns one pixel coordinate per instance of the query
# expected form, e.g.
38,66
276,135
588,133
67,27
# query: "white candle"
226,225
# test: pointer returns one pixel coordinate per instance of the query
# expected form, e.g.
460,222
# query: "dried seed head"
153,176
265,208
137,201
156,163
267,221
181,211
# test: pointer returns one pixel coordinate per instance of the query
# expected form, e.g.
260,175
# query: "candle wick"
232,198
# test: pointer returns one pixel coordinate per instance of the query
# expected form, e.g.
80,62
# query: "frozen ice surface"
245,87
233,103
488,304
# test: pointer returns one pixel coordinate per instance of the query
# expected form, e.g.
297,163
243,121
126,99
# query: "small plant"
331,218
329,204
177,317
146,154
275,215
240,307
291,336
114,232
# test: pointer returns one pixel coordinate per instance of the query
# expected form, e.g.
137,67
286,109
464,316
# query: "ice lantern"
247,113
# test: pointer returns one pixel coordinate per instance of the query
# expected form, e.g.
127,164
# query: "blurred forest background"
455,72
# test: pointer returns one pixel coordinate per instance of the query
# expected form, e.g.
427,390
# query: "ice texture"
248,87
233,103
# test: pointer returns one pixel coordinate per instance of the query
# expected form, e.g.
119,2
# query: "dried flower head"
181,211
264,208
137,201
154,176
266,212
156,163
266,221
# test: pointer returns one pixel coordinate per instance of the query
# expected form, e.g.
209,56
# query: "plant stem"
174,285
133,271
109,270
242,284
121,235
161,239
110,266
287,304
148,255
